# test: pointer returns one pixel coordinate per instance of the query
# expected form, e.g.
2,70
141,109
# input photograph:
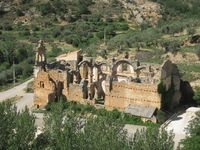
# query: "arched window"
41,84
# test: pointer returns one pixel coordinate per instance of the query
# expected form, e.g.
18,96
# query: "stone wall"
74,93
44,89
119,84
170,76
124,94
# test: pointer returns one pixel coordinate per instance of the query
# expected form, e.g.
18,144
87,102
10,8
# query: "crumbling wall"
170,78
44,89
124,94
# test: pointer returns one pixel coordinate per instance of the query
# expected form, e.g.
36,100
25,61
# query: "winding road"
26,98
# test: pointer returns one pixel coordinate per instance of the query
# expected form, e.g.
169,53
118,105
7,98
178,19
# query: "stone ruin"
126,85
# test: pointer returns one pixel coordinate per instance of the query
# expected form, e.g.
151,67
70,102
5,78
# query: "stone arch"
86,62
98,66
86,68
114,70
105,64
118,63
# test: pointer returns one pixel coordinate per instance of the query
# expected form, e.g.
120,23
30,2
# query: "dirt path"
16,91
26,98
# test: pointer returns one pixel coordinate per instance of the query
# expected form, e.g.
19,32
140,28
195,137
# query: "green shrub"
9,74
161,116
4,66
55,51
3,78
35,28
115,114
25,1
46,8
8,26
18,70
26,32
19,12
171,46
161,88
56,33
27,69
129,119
196,96
167,97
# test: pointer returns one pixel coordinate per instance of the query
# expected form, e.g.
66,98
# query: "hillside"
150,30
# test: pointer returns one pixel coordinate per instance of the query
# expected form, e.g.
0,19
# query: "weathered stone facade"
124,94
119,83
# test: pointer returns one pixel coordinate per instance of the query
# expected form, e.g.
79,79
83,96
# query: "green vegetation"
189,72
85,110
196,96
64,130
17,129
179,7
167,96
15,57
192,140
93,27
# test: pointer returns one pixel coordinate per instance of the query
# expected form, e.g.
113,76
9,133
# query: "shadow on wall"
187,93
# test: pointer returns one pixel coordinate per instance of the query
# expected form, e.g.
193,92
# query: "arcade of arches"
117,83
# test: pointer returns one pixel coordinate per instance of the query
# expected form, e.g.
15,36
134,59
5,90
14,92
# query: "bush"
46,8
100,34
25,1
19,12
171,46
9,74
35,28
161,116
27,69
121,26
161,88
54,52
8,26
3,78
18,70
56,33
4,66
197,96
26,32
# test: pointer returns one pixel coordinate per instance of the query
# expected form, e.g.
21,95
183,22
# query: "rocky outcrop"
5,6
170,77
142,11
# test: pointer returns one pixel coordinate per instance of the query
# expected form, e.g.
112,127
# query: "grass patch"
13,100
192,49
88,110
38,111
188,71
189,67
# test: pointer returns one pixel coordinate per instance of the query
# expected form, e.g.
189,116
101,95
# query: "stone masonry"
118,83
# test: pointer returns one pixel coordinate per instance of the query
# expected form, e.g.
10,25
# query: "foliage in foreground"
192,141
17,130
70,130
84,110
196,96
67,131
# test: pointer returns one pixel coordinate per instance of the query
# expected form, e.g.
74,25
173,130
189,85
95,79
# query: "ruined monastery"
124,84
